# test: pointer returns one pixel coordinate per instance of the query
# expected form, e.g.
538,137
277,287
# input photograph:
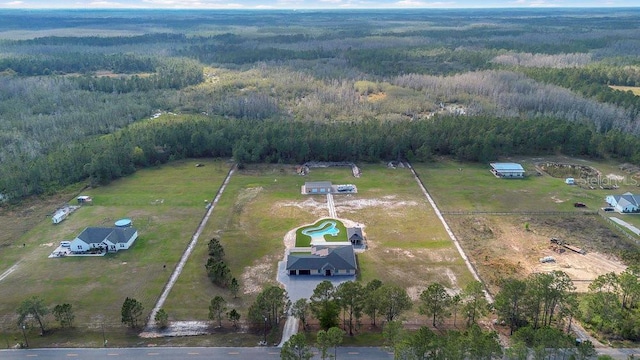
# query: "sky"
306,4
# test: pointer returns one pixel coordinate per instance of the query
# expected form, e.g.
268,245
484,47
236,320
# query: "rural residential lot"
500,222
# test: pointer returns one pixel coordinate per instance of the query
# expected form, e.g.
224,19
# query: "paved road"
165,353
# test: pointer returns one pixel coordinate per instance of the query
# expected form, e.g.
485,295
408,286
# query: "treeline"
235,54
612,304
593,82
174,73
421,60
248,141
77,62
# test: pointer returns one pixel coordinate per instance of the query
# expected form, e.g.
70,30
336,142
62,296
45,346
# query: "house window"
121,245
79,247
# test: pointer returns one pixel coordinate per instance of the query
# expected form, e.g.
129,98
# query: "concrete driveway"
299,287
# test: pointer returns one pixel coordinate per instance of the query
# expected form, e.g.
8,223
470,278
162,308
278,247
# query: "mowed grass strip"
166,205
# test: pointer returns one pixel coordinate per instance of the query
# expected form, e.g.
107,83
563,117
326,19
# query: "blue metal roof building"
507,170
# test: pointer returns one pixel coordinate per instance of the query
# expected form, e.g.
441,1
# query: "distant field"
165,203
634,89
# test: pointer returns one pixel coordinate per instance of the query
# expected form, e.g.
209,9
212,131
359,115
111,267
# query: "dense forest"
94,95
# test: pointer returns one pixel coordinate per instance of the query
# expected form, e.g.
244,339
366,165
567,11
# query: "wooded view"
331,85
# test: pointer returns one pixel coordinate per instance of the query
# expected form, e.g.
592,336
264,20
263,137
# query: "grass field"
407,244
165,203
634,89
511,245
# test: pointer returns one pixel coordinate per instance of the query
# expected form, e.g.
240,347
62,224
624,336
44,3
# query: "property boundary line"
507,213
185,256
453,237
619,227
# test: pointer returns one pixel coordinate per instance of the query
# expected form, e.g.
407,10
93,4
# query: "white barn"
507,170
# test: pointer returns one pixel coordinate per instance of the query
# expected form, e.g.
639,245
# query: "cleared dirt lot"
501,246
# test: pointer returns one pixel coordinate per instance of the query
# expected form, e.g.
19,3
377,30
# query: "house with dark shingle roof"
109,239
625,203
323,260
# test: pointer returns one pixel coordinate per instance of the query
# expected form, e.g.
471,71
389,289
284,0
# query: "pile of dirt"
560,170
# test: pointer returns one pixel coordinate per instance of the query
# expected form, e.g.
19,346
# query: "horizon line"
261,7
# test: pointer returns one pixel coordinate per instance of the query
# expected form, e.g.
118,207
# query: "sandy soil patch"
254,277
248,194
582,269
501,247
615,177
388,202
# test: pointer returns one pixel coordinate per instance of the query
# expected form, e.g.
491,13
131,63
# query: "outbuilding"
317,187
507,170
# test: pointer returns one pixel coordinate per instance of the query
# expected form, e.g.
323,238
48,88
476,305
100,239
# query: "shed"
507,170
317,187
570,181
355,235
84,199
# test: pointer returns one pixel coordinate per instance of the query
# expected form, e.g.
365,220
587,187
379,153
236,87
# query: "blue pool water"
325,228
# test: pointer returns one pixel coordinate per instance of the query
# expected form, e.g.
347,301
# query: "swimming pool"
327,227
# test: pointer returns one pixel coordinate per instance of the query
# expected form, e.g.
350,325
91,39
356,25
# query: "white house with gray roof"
625,203
110,239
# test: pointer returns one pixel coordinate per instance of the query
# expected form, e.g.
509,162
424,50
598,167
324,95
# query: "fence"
621,229
507,213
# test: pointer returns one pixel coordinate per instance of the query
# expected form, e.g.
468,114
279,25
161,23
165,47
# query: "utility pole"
26,342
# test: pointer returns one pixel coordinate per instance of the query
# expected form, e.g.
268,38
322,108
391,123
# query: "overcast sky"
308,4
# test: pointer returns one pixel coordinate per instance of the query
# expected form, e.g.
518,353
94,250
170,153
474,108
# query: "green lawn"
303,240
471,187
165,203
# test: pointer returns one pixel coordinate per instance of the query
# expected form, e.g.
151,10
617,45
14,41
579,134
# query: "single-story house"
507,170
317,187
625,203
323,260
110,239
355,236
